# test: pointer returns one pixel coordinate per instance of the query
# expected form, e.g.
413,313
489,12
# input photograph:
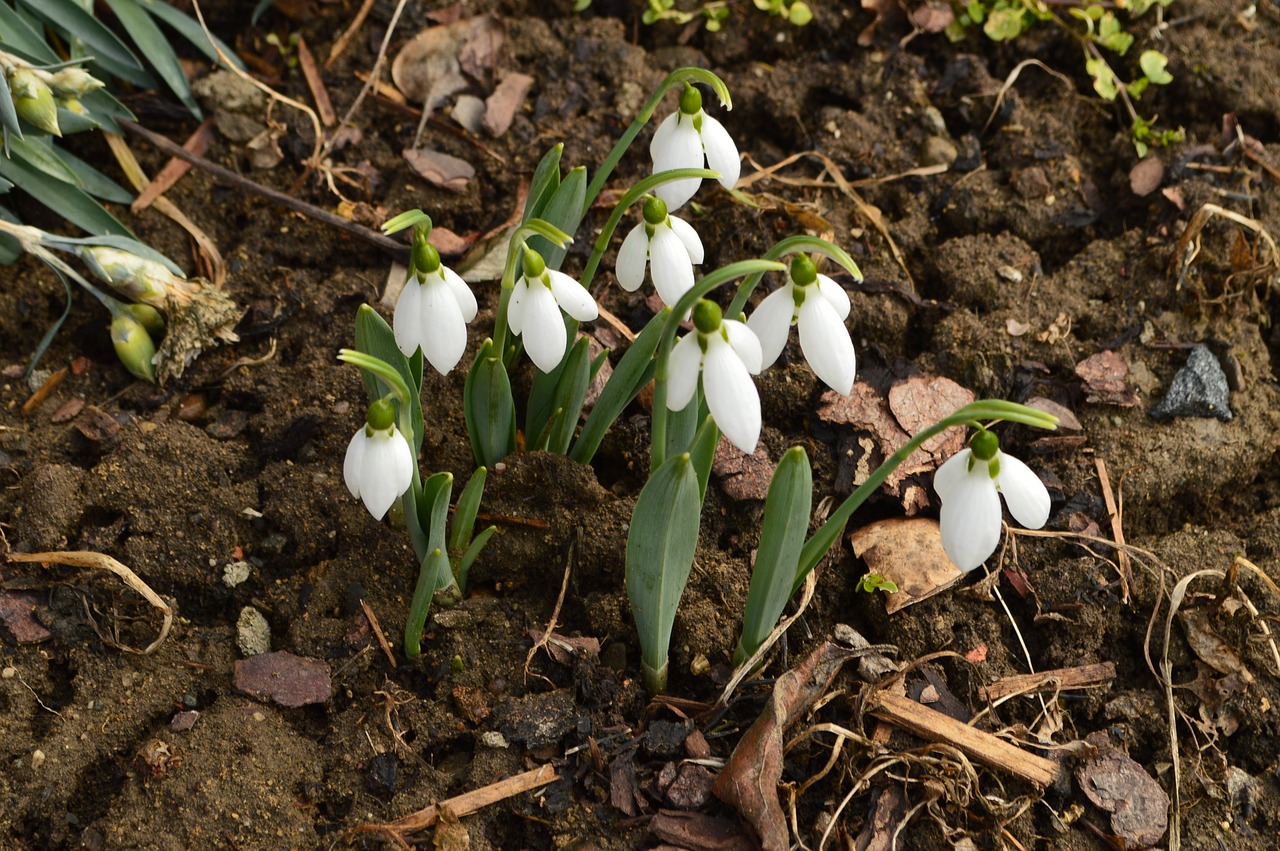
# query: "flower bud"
134,346
75,82
150,318
33,101
128,274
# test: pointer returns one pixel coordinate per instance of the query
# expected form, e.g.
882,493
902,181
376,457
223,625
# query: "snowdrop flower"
968,484
433,309
534,309
379,464
668,245
681,141
820,305
726,353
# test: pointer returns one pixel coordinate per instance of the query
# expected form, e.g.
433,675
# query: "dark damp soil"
1028,255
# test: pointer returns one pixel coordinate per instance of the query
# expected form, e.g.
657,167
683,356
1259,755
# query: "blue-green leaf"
20,38
75,22
375,337
37,152
786,521
147,36
489,409
190,29
463,570
702,450
630,375
545,182
571,390
73,204
464,518
661,544
8,115
563,211
93,181
435,565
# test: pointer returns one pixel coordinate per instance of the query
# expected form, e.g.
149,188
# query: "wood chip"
443,170
500,108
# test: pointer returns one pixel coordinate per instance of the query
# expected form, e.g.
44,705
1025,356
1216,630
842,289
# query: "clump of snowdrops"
703,383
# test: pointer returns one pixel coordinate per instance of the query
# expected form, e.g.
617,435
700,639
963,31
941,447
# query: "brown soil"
1034,228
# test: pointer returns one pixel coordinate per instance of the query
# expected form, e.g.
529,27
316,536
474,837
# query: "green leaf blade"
151,41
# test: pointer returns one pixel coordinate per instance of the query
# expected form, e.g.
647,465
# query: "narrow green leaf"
433,509
464,519
18,36
542,398
8,115
260,9
489,409
570,391
563,211
153,45
702,449
47,339
434,566
37,152
190,29
67,201
786,521
682,425
75,22
545,182
124,243
661,544
375,337
630,375
463,570
102,108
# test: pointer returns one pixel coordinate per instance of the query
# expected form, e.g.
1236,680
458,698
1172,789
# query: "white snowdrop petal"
544,332
827,345
572,297
1024,493
683,366
731,395
406,323
771,322
722,153
444,337
515,307
952,471
354,463
461,293
669,265
835,295
631,259
404,463
746,345
971,520
689,236
383,471
676,145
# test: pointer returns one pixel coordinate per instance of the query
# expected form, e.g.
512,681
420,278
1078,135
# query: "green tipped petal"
75,82
134,346
150,318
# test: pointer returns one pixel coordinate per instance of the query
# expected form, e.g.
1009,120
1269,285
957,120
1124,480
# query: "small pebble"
494,739
37,758
235,573
9,673
383,774
1199,389
253,633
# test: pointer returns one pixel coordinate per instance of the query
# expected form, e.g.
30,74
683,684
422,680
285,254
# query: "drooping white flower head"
969,483
534,309
433,309
379,464
726,353
668,245
819,305
682,140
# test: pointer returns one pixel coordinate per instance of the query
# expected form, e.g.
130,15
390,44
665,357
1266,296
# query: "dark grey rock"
1198,390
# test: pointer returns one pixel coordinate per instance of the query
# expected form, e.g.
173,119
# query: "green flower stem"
792,245
383,370
636,192
533,227
676,78
704,285
970,415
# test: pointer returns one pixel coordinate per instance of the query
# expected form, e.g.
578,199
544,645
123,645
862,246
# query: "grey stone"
1198,390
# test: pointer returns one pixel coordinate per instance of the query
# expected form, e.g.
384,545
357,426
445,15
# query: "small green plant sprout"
794,12
1098,29
870,583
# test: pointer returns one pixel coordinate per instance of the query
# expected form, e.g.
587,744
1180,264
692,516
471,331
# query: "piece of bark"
1081,676
443,170
500,108
283,678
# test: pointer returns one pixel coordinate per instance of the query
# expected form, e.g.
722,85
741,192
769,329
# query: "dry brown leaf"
501,106
1139,807
1066,417
908,552
445,171
932,19
1104,377
427,70
922,400
1209,646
